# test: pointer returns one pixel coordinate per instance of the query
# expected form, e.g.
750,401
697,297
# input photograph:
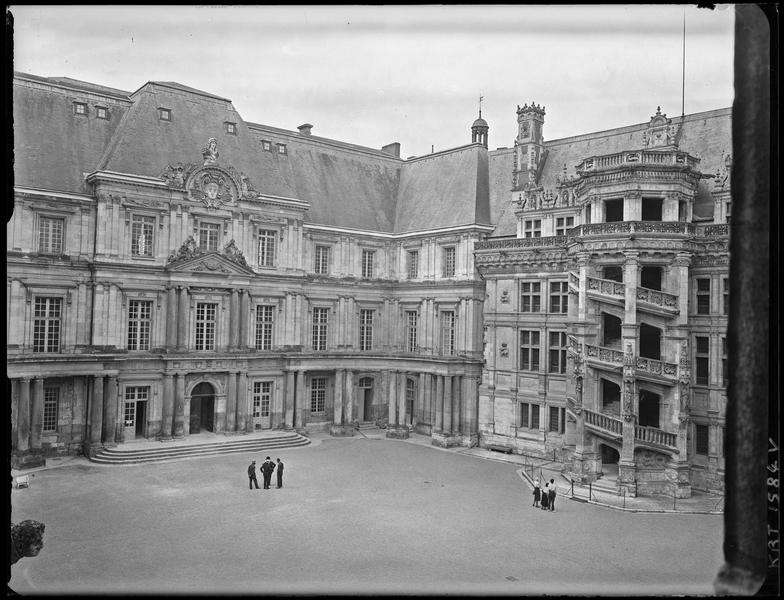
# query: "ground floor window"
529,415
51,398
701,439
318,394
262,396
133,394
557,418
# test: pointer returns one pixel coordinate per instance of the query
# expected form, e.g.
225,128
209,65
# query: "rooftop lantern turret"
479,128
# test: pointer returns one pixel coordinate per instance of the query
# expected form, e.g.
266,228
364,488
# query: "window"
701,438
529,350
413,264
46,324
320,321
703,296
532,228
164,114
725,296
365,329
208,236
266,145
318,394
368,257
530,296
281,148
448,268
556,424
701,361
529,415
142,229
101,112
139,320
613,211
447,332
79,108
205,325
265,320
231,128
322,260
50,408
562,224
411,330
133,394
557,352
50,235
262,397
728,210
724,372
267,247
559,297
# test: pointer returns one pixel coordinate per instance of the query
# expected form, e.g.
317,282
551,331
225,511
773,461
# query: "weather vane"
480,106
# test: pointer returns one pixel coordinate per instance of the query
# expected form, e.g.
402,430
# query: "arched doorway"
610,457
365,404
202,408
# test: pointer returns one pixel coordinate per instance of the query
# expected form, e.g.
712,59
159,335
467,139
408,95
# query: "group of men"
267,467
547,494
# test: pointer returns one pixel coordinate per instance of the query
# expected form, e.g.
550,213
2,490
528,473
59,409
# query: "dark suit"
267,468
280,474
252,477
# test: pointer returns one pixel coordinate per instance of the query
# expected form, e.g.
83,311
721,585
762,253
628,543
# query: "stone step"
131,456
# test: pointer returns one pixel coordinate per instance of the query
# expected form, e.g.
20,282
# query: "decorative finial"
480,106
658,110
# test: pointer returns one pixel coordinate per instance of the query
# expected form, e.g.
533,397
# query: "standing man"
252,476
279,471
551,493
266,469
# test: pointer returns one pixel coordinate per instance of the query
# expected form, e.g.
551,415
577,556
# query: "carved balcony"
628,158
655,370
654,228
655,437
606,289
601,423
662,301
517,243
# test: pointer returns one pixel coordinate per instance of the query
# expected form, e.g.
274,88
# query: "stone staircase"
127,454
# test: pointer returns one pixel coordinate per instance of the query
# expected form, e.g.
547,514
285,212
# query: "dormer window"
266,145
231,128
80,108
101,112
281,148
164,114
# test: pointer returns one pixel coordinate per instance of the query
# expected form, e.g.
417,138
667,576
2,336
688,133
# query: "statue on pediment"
189,249
210,152
234,254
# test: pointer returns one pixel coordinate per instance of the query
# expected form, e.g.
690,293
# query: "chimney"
305,128
392,149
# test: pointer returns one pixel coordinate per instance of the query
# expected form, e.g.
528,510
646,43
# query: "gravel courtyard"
355,515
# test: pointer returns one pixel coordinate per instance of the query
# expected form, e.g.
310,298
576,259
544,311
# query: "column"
171,317
288,419
631,281
167,411
234,321
231,401
447,410
439,404
182,319
300,401
472,408
392,399
682,262
179,406
243,422
110,411
337,412
457,401
348,404
23,416
242,344
421,412
401,399
583,261
96,411
37,413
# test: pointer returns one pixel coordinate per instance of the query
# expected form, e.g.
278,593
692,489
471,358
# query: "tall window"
208,236
556,419
702,354
701,437
529,415
50,235
265,321
320,316
411,330
139,322
50,408
413,264
559,297
703,296
368,257
205,325
134,394
724,372
530,296
447,332
322,260
557,352
142,229
725,296
448,267
532,228
267,247
318,394
529,350
46,324
365,329
262,397
562,224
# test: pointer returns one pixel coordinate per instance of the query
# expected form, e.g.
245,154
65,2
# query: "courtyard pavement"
360,515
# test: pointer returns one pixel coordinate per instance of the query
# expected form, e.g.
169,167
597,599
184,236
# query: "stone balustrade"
655,367
630,227
606,286
608,355
638,157
529,242
603,421
655,435
657,297
713,230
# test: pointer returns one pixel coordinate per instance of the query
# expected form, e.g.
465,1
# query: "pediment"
209,262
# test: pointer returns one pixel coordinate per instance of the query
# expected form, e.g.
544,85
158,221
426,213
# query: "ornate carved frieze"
660,131
190,250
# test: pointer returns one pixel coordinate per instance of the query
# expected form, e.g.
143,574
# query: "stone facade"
172,268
